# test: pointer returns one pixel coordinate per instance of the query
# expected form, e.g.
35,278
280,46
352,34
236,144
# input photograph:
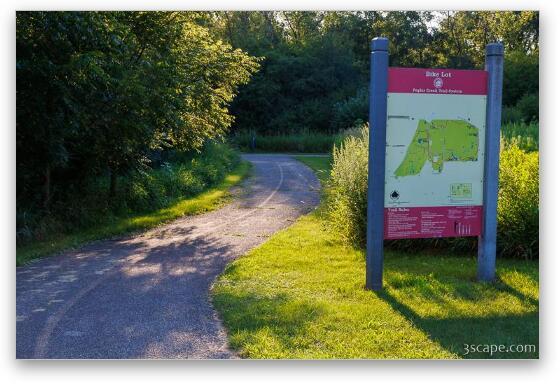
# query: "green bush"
525,136
139,191
518,209
145,191
526,110
347,113
347,189
520,76
190,184
517,213
512,114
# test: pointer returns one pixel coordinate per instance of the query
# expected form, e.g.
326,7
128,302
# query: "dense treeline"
110,93
314,75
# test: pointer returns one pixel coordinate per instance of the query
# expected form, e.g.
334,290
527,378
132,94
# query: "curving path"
147,296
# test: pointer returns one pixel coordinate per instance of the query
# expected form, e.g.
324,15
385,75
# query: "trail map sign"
435,142
433,166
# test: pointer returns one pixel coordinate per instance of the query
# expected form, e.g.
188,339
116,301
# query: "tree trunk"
113,184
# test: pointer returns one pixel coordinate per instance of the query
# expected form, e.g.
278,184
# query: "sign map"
439,141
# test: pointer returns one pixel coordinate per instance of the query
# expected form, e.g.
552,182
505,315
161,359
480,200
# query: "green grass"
291,143
203,202
526,136
301,295
321,165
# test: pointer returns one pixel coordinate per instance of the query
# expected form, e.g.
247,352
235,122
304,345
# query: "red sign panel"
423,222
437,81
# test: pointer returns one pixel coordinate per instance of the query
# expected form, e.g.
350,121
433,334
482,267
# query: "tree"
463,35
100,90
316,64
306,68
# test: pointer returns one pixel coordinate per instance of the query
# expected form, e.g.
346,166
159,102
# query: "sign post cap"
494,49
380,43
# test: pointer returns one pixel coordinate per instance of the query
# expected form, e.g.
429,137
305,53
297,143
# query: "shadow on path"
147,296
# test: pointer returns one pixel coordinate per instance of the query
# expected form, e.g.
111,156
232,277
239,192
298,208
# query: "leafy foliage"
518,209
141,191
315,66
528,105
352,111
99,92
520,87
520,76
296,91
463,35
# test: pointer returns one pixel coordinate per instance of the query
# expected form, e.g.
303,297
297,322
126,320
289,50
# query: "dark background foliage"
314,74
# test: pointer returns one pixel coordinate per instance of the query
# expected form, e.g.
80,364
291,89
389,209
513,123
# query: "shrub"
518,209
518,227
347,195
511,114
190,184
139,191
525,136
520,76
526,110
346,113
138,195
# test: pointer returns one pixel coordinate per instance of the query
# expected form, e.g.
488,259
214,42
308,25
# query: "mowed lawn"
301,295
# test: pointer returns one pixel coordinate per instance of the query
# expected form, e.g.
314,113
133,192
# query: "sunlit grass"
205,201
321,165
302,295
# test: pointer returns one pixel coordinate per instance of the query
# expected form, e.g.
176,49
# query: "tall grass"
523,135
294,143
347,194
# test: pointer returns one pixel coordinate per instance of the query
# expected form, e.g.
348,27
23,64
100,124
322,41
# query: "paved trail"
146,296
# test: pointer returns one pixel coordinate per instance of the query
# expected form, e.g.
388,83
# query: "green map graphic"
439,141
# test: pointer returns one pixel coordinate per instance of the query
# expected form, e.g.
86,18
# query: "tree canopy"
99,91
315,66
